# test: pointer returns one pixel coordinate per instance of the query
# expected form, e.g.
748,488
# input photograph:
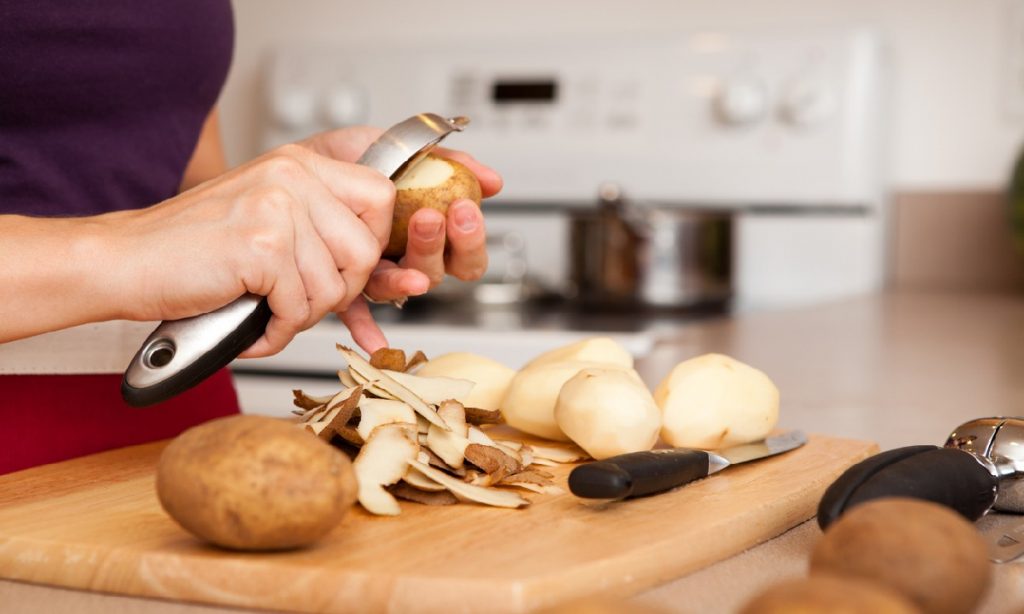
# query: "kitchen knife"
182,353
638,474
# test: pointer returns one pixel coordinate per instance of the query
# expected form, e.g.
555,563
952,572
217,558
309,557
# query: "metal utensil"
181,353
1005,545
638,474
954,478
999,444
980,468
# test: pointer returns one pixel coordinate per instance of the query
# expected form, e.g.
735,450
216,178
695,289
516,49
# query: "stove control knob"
345,105
741,102
807,103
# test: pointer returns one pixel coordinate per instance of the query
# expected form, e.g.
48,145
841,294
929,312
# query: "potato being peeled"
490,377
603,350
434,182
714,401
254,483
608,412
529,402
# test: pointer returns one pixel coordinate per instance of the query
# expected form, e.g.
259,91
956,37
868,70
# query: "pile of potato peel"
412,438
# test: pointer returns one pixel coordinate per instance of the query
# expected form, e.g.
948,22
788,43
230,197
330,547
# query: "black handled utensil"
947,476
639,474
979,468
179,354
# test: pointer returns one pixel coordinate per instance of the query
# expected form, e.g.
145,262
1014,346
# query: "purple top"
102,101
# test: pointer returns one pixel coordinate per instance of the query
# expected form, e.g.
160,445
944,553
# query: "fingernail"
467,217
430,227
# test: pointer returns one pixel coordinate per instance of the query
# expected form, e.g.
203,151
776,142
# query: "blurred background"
666,161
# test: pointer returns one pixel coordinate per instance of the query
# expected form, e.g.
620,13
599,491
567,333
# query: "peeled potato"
254,483
490,377
603,350
607,412
927,552
529,402
714,401
835,594
434,182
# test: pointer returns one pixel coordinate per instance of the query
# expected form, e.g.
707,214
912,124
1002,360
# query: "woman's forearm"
56,273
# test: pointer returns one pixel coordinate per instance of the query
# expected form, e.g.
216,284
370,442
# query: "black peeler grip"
946,476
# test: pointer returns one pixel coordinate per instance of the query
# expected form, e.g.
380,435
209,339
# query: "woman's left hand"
426,261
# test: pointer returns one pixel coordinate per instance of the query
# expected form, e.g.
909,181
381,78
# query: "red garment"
101,105
49,418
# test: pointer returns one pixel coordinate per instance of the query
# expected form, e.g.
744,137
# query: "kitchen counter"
898,369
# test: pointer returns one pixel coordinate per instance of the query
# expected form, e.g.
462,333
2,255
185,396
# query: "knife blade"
639,474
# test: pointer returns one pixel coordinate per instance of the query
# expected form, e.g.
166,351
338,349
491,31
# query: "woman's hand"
302,225
438,244
452,244
300,228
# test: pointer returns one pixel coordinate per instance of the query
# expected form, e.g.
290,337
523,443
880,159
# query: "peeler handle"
193,349
947,476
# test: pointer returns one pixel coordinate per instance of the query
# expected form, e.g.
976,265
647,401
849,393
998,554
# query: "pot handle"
613,203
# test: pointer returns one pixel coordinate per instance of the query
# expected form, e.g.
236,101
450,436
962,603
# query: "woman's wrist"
99,269
58,273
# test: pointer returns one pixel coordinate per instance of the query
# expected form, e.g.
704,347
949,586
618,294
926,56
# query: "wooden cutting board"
94,523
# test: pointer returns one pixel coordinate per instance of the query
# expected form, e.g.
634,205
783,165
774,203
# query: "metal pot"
631,254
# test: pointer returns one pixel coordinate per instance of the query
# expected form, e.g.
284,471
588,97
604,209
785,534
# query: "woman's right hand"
300,228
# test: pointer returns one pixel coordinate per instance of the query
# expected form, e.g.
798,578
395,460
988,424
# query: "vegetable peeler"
182,353
980,468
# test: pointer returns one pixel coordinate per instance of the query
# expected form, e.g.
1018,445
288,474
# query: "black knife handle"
638,474
946,476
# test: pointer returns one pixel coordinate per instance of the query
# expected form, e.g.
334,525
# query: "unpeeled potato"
833,594
927,552
254,483
434,182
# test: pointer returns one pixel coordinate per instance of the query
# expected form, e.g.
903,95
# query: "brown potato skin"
833,594
254,483
929,553
463,184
